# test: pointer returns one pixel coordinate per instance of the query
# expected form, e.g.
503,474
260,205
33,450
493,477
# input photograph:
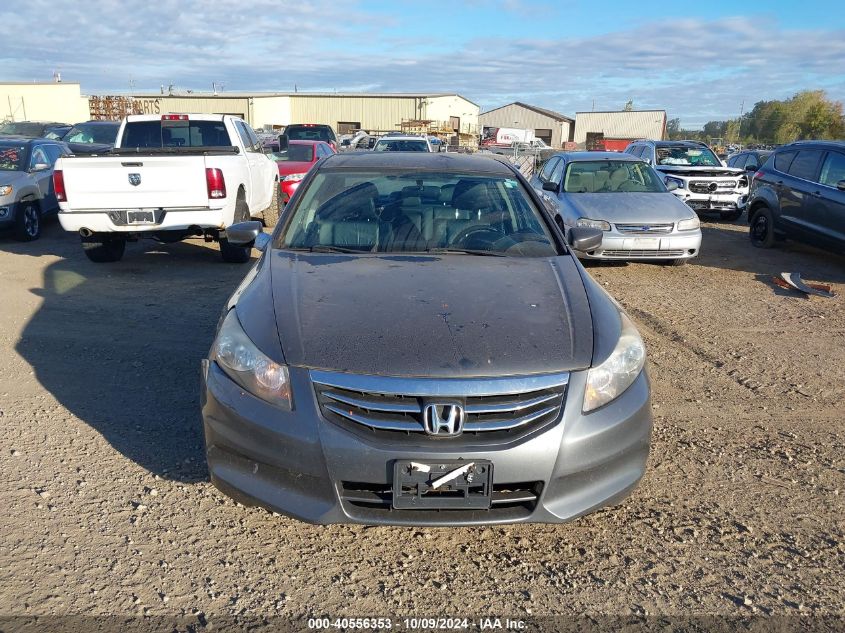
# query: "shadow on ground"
119,345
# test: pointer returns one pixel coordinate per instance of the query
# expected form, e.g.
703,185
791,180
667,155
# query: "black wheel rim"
760,229
30,221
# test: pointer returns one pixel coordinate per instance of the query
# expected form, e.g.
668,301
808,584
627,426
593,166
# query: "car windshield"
11,156
22,128
611,176
295,153
152,134
683,155
412,211
308,133
92,133
401,145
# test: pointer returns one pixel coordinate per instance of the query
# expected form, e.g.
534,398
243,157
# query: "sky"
700,61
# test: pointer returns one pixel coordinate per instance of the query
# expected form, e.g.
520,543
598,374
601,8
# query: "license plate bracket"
140,217
414,487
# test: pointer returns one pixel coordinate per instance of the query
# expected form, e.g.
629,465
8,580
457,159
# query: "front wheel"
103,248
273,211
762,231
28,222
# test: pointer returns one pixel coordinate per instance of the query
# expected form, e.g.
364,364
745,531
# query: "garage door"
546,135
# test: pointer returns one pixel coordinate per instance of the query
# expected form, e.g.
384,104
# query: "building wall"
270,112
61,102
649,124
372,112
516,116
152,104
445,107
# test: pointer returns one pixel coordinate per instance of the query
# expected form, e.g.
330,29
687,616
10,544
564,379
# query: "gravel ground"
107,508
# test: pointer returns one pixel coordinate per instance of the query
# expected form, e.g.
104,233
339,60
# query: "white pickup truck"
169,177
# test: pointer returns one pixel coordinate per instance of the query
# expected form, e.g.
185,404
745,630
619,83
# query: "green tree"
673,129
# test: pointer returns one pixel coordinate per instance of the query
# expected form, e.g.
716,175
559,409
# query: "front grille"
707,186
393,405
645,229
380,496
640,253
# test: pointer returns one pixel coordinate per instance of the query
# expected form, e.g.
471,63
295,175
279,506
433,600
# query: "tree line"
807,115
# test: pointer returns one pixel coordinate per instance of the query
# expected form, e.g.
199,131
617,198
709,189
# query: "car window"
548,168
612,176
39,156
833,169
806,164
734,161
174,133
295,153
401,145
53,153
243,132
382,212
557,174
696,156
783,160
255,144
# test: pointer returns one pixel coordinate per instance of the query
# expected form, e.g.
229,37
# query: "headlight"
6,190
293,177
681,184
610,379
689,224
593,224
244,363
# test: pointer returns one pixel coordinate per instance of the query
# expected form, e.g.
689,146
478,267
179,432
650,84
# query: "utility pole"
739,130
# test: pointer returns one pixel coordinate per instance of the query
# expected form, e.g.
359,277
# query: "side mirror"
671,185
283,142
40,167
243,233
550,186
584,239
841,185
262,241
751,167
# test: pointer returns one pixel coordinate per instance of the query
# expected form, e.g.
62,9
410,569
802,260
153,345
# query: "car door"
539,179
796,201
41,172
49,203
827,202
256,197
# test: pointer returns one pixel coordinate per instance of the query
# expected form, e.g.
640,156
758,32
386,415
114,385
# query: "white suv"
695,174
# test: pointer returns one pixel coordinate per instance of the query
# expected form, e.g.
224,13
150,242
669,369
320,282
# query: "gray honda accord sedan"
418,345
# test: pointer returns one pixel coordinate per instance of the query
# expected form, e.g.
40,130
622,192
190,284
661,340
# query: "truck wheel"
271,213
28,222
762,231
731,216
103,248
237,254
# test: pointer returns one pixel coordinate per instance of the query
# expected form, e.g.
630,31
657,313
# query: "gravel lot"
107,508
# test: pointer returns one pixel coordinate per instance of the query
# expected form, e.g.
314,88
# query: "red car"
295,161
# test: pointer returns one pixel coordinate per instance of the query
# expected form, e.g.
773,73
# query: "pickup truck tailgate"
124,182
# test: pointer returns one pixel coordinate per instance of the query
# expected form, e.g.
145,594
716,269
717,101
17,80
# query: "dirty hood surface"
629,207
444,316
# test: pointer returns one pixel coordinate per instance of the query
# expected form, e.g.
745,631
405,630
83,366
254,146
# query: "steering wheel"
480,237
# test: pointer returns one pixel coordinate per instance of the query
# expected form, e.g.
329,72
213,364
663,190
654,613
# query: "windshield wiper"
466,251
326,248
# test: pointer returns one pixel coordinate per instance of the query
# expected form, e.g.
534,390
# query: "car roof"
95,122
401,137
679,144
836,144
428,161
574,157
24,140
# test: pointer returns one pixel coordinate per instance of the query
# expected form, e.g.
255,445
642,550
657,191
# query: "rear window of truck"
152,134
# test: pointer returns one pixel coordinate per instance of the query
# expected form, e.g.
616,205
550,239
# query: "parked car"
799,194
624,198
405,143
169,177
701,180
749,160
92,137
311,132
29,129
295,161
389,363
26,184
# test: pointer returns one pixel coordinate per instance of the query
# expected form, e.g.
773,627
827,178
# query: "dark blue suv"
799,194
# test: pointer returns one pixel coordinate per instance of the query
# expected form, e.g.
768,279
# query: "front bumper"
623,247
713,202
8,209
301,465
167,220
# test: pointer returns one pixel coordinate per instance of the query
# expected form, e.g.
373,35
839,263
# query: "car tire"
762,229
237,254
28,222
274,210
731,216
103,248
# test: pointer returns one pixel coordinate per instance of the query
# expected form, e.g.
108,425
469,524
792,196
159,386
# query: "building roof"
257,95
549,113
618,112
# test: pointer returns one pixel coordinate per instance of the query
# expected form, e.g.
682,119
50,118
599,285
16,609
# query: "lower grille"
645,229
380,496
640,253
712,186
488,406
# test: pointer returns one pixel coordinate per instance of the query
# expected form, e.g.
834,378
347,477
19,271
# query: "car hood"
629,207
14,178
293,167
451,316
688,170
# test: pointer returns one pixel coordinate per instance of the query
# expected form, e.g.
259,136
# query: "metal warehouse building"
345,112
554,128
45,101
614,130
